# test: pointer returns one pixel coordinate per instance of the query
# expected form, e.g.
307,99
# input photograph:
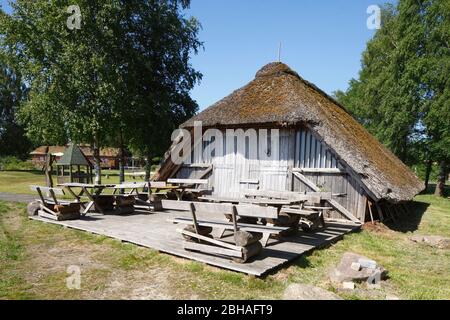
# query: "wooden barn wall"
236,171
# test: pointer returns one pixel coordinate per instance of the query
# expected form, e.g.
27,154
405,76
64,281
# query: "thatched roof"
279,96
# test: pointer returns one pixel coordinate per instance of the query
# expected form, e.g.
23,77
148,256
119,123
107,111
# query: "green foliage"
125,70
12,136
13,163
402,93
420,168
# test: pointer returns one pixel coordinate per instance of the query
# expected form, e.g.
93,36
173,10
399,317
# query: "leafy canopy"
125,70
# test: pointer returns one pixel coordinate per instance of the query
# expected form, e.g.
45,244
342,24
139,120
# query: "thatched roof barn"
279,97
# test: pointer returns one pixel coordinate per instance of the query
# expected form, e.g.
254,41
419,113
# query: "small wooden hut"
321,148
74,166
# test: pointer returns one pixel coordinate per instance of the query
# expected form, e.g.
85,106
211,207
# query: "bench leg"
89,206
265,239
220,233
322,220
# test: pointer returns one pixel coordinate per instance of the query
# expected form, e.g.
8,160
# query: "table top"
130,185
219,199
188,181
85,185
269,202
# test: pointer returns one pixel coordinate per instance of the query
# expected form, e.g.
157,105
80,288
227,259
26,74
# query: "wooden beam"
307,181
336,205
213,241
194,218
206,172
343,210
319,170
370,210
196,165
188,181
249,181
211,249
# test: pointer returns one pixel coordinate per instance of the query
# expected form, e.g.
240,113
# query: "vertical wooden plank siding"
298,148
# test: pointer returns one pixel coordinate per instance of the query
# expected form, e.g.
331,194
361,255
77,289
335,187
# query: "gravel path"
13,197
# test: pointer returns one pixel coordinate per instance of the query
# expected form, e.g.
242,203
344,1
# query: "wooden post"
194,217
370,210
52,193
234,216
48,170
41,196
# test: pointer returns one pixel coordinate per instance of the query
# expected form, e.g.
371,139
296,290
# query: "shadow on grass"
409,222
416,210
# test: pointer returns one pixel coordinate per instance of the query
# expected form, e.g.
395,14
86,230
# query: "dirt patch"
136,285
100,278
376,227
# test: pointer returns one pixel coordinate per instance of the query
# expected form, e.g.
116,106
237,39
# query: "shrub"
12,163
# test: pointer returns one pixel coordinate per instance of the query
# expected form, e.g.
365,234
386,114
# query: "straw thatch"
279,96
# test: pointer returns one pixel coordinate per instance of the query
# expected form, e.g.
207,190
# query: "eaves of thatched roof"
279,96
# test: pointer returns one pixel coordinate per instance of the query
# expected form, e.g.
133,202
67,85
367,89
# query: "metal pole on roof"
279,52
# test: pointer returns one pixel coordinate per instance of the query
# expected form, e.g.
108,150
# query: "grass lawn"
19,181
34,258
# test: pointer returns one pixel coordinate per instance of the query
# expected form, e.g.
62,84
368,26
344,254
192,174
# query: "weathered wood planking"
300,150
153,231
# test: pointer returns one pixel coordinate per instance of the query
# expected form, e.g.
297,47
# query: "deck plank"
154,231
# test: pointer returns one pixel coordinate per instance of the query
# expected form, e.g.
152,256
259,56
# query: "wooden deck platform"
153,231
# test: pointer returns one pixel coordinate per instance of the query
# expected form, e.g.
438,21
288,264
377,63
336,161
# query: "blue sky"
321,40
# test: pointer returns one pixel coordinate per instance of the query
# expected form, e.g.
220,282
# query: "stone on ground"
348,285
298,291
346,270
433,241
33,208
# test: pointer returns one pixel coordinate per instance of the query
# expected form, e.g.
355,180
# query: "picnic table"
278,203
261,202
93,195
181,186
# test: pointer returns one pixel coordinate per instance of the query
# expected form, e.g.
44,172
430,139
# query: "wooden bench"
191,186
51,207
214,246
309,219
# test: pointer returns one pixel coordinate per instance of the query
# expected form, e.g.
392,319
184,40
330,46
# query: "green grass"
30,271
34,257
19,181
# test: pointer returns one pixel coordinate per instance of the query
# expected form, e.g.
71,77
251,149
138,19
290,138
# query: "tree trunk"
97,162
48,169
148,167
429,165
441,179
121,160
